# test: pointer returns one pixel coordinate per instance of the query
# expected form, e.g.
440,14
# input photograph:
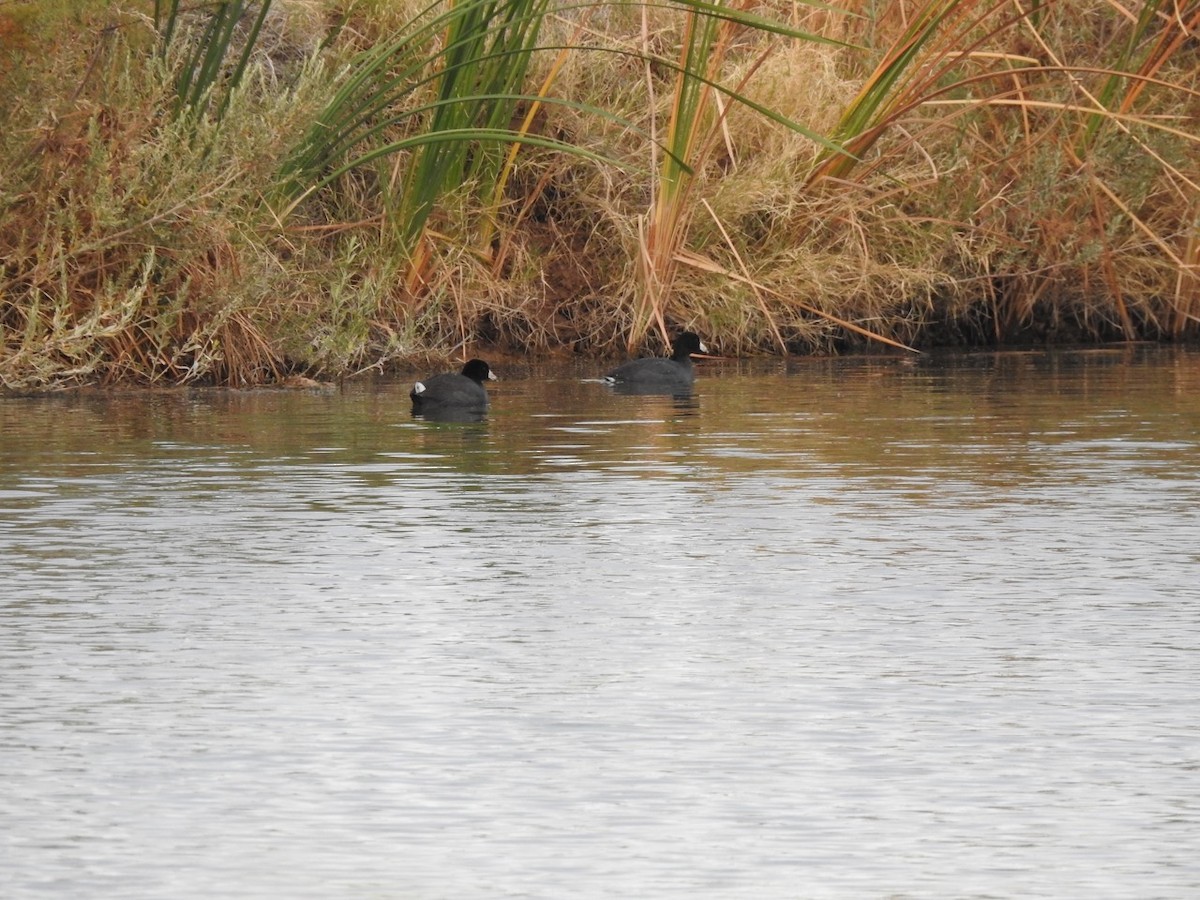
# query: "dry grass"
991,206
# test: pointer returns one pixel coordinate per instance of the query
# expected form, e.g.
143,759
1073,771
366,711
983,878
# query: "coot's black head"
686,344
479,371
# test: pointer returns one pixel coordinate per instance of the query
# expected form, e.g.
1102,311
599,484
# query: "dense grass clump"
236,192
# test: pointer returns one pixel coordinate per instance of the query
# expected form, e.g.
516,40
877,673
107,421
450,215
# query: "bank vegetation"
237,192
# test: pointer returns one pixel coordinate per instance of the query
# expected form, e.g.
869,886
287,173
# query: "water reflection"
626,389
450,414
843,628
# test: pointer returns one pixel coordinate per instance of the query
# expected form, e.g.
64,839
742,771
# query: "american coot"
454,392
647,376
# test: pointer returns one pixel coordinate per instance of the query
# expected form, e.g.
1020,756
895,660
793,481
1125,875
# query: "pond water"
852,628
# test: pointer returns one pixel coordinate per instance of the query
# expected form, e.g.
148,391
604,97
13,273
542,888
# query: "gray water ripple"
743,648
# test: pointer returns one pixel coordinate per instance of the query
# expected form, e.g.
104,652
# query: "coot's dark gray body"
673,375
462,391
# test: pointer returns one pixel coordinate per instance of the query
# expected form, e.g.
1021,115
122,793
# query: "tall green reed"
696,127
206,69
440,101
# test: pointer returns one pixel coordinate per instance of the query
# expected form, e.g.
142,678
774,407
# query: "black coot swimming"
452,391
655,375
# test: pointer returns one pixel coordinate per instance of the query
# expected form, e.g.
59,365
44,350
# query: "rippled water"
831,629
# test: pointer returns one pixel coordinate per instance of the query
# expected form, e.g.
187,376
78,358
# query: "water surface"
830,629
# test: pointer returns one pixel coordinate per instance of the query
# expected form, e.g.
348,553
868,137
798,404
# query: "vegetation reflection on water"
847,628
